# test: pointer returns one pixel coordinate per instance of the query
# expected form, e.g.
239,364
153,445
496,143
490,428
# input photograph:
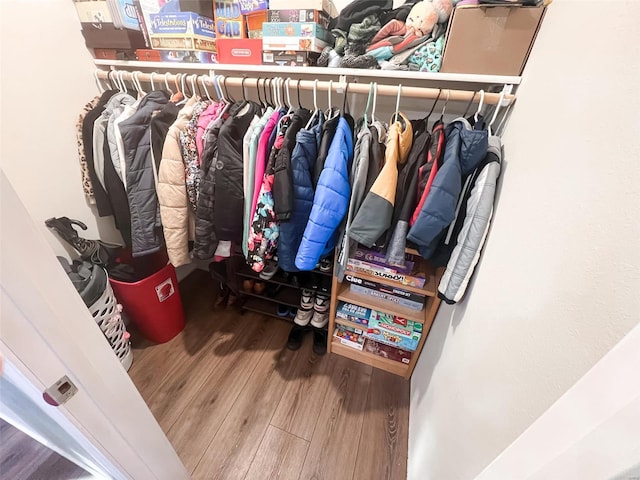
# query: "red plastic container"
154,304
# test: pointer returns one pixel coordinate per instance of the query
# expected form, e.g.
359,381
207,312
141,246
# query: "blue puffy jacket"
303,158
465,149
330,201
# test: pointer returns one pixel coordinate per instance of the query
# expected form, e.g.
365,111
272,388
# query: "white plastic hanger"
480,105
204,86
375,101
120,77
153,87
316,110
495,113
136,83
290,111
100,87
397,110
166,83
366,108
193,84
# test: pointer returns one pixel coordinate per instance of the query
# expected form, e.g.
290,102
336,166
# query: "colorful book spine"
418,306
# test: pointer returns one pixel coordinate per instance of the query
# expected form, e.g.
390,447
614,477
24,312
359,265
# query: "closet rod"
362,88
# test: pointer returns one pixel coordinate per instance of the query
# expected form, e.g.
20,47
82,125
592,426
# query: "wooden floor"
237,404
23,458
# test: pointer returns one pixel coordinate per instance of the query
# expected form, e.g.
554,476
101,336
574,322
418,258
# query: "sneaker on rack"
306,300
303,317
321,303
325,265
319,320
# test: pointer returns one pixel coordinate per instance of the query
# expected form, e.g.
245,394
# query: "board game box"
388,273
377,258
395,331
387,351
349,337
354,313
417,306
384,288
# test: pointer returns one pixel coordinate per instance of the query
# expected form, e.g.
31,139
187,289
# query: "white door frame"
47,332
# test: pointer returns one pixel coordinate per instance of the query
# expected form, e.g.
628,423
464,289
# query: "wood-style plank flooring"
23,458
237,404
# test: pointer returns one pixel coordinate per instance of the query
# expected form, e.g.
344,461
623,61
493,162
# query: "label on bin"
165,290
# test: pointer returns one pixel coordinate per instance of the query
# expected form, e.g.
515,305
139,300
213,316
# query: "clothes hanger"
289,96
120,76
166,83
137,85
100,87
192,79
260,100
329,93
495,114
480,105
466,110
396,115
226,91
316,110
444,107
204,86
366,108
375,101
298,89
153,87
179,81
426,120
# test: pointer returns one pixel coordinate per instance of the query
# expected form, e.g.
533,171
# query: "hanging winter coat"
465,148
406,194
283,175
473,222
146,229
205,241
190,154
177,217
428,171
302,161
330,201
374,216
328,131
87,186
228,174
265,228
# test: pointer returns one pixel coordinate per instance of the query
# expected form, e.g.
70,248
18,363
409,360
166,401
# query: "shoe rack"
266,302
342,292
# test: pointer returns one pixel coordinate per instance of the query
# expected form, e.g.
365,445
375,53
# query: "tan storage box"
490,40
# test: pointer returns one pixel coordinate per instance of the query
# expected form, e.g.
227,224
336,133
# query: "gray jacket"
146,228
477,218
112,111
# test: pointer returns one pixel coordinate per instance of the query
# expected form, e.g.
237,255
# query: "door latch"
60,392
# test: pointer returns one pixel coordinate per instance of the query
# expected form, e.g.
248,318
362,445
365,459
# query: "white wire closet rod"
338,87
318,71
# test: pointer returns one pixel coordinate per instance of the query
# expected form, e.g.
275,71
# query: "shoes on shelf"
247,285
307,299
292,312
303,317
321,303
282,310
319,341
295,337
319,320
258,287
269,270
325,265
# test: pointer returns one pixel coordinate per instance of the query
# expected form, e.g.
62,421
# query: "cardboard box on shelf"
297,30
323,5
254,24
490,40
387,351
243,51
349,337
317,16
148,55
105,35
250,6
182,56
181,31
290,58
229,20
395,331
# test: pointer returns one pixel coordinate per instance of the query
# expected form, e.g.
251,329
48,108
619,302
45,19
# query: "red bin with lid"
153,304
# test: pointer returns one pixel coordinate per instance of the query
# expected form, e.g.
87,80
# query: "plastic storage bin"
153,304
105,312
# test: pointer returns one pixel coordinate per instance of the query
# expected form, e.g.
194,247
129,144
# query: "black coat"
282,189
228,213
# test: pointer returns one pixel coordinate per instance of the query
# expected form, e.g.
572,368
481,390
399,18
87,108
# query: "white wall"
47,77
558,283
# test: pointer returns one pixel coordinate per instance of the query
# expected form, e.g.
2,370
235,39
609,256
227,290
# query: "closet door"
46,332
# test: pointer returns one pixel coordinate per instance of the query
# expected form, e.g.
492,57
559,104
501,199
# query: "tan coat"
176,215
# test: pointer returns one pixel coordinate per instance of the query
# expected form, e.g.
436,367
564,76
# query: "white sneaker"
321,304
306,300
303,316
320,320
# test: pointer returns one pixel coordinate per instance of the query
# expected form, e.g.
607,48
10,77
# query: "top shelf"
317,71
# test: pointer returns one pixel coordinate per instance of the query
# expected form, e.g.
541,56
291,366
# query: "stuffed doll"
397,36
